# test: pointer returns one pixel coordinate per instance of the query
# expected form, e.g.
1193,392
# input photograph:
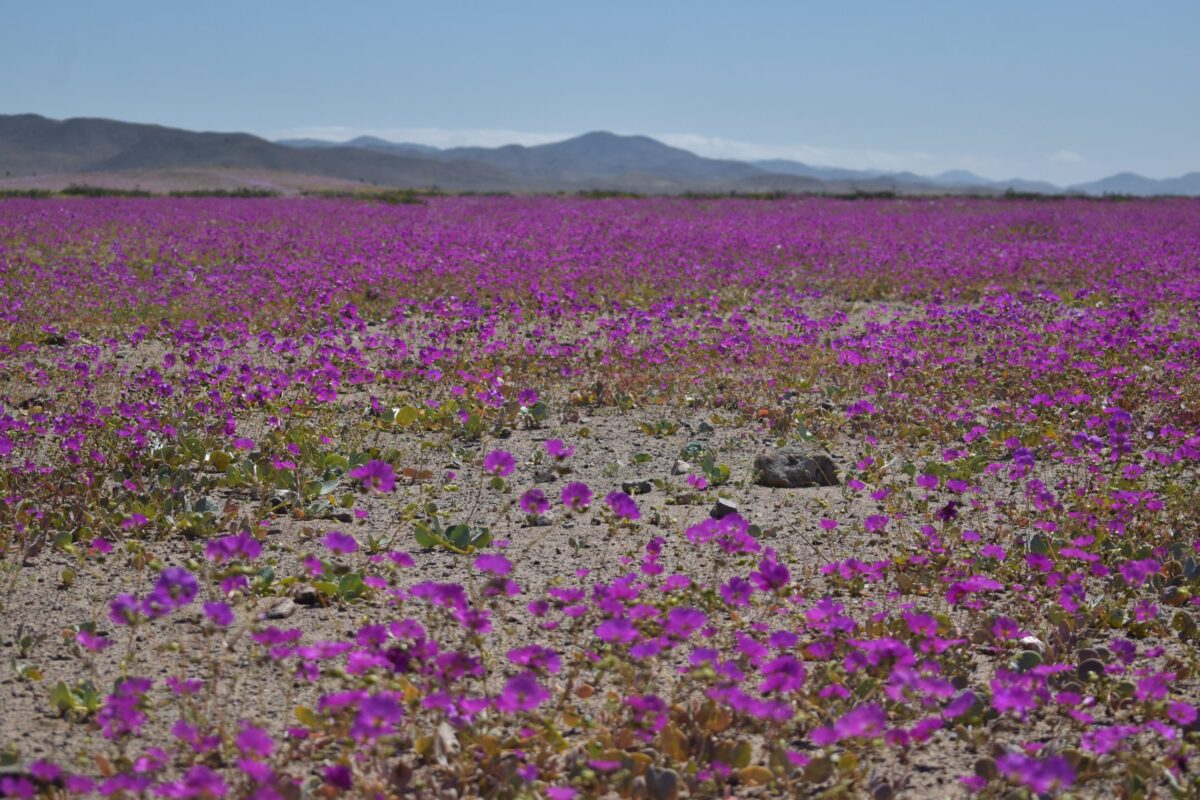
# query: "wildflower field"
318,498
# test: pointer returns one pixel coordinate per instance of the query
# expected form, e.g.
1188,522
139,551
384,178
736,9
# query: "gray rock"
636,487
791,467
681,468
662,784
704,427
306,595
281,610
545,476
723,509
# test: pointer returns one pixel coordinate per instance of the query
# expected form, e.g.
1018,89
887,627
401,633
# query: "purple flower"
622,505
683,622
500,462
556,449
577,496
522,693
198,781
377,716
220,613
340,542
782,674
91,641
1054,772
227,548
377,475
534,502
875,523
339,777
617,630
534,656
1136,573
862,722
771,575
960,705
1182,713
736,591
176,587
255,741
493,563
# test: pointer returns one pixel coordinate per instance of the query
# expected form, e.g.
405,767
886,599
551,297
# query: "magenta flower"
737,591
376,475
1045,775
339,777
1182,713
683,622
377,716
220,613
229,548
875,523
534,656
928,481
556,449
92,641
782,674
771,575
619,629
862,722
340,542
500,462
534,502
577,496
255,741
622,506
176,587
493,563
522,693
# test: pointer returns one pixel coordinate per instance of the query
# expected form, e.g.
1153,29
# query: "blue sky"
1066,91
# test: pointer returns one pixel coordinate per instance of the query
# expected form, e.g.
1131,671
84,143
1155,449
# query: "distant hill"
1139,185
38,151
601,155
32,145
366,143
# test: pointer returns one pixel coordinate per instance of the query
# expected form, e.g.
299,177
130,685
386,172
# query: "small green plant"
76,702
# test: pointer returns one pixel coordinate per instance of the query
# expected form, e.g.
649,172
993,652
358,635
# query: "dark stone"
544,476
307,596
723,509
636,487
791,467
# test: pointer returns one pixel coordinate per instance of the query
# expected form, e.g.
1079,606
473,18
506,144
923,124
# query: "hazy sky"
1065,91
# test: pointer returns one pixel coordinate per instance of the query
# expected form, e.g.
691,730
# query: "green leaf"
327,588
406,415
459,535
424,536
351,586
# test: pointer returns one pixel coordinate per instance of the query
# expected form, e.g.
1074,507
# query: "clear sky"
1065,91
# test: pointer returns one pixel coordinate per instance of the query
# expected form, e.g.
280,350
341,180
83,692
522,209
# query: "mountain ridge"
32,145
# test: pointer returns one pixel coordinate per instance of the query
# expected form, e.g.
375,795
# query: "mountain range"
44,153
